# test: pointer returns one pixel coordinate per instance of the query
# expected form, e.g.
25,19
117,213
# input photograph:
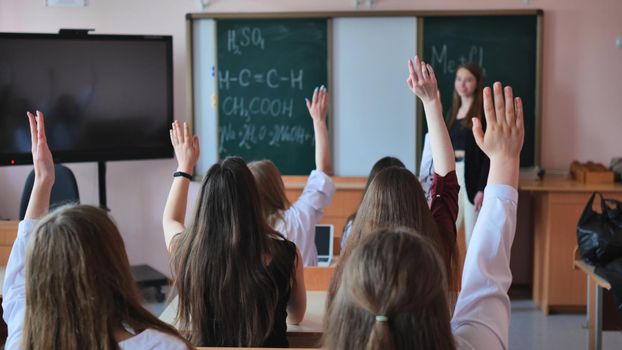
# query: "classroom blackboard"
265,69
505,46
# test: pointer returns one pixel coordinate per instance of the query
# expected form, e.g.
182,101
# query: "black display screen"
105,97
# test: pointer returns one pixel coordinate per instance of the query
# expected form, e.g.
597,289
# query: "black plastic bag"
599,235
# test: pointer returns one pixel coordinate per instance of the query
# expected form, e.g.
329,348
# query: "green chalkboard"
504,46
266,68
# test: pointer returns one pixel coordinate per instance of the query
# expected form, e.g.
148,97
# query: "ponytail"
381,337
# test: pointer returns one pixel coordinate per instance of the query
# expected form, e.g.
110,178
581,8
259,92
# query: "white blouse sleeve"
306,212
482,316
426,167
14,288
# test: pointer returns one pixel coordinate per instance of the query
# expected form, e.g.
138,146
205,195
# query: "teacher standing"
471,163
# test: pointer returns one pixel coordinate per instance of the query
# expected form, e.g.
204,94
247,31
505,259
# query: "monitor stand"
101,176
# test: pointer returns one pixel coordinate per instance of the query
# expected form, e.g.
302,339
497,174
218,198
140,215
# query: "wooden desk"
8,233
557,204
595,285
307,334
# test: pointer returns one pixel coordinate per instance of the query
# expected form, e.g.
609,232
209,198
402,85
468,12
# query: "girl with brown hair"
381,164
238,279
392,296
395,197
393,292
297,221
68,283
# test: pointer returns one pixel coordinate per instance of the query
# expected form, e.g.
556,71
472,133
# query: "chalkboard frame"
420,15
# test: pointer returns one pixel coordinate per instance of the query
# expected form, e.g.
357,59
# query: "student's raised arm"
39,202
422,82
187,154
318,107
482,315
14,288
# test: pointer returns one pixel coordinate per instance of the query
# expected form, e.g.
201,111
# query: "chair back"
64,191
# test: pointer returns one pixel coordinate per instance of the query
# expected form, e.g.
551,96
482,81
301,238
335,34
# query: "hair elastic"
381,318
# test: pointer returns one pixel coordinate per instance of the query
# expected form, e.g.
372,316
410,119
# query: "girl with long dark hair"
238,279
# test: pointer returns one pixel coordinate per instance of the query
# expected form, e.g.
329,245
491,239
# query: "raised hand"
41,155
318,105
39,202
422,81
504,135
186,147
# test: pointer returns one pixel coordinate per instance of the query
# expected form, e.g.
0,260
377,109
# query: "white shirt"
14,302
481,319
298,224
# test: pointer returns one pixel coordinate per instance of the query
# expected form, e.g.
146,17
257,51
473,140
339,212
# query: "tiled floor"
530,329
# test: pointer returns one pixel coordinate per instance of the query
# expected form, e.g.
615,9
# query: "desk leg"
594,315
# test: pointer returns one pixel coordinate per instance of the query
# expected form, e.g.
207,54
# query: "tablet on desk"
324,244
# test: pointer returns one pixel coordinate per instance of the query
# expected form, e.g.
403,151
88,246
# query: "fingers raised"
418,72
424,71
186,132
489,110
175,133
411,67
499,105
33,129
324,100
509,106
518,106
41,127
431,73
316,93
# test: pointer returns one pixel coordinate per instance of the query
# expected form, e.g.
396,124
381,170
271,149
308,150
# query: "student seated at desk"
393,295
395,196
297,221
68,283
238,279
381,164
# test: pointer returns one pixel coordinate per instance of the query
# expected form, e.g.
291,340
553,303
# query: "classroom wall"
582,72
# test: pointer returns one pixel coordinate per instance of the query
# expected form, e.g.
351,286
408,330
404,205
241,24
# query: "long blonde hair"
271,189
79,287
392,296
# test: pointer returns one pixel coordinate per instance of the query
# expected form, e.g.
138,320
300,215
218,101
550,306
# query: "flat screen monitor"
104,97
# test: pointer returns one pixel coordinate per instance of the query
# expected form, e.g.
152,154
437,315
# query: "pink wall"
582,80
